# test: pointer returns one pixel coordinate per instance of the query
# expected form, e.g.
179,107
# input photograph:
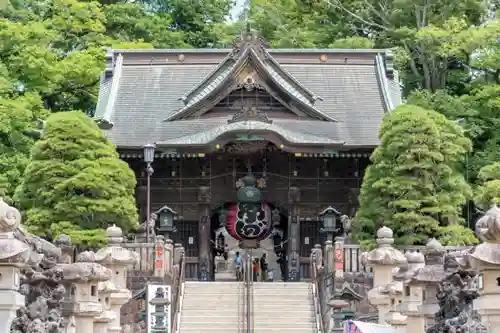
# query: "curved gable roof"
248,49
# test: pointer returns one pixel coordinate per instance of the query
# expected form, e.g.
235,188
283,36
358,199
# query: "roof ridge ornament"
249,112
249,40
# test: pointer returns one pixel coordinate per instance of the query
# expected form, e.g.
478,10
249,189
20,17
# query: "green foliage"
76,183
51,56
488,192
413,185
456,235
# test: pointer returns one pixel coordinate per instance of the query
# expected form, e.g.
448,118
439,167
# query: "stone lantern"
118,260
384,259
101,322
430,276
485,258
14,254
83,278
167,218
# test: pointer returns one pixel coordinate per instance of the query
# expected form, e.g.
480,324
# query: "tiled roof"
143,95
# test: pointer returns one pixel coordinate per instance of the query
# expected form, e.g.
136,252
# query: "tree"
432,39
488,193
304,24
414,185
75,182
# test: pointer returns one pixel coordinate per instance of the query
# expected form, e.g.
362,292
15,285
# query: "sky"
237,9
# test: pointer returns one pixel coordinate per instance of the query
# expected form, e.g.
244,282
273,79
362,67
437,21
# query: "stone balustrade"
431,290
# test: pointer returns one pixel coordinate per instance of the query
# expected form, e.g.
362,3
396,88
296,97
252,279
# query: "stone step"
256,324
260,305
257,285
230,318
257,311
256,301
286,317
235,329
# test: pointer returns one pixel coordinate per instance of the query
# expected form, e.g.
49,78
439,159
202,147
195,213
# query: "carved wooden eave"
226,133
249,66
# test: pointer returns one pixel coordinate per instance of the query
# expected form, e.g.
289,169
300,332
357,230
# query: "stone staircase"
212,307
283,307
220,307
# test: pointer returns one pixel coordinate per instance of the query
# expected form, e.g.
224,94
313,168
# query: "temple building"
268,142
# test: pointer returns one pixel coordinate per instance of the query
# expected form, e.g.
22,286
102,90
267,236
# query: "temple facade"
296,125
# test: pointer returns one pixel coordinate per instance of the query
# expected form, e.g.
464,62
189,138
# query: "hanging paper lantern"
249,221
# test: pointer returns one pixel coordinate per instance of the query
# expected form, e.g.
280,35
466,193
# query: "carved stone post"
485,258
294,236
383,259
329,263
118,260
177,253
318,255
169,256
14,255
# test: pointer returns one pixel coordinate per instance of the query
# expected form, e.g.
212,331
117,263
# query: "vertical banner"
159,298
338,257
159,257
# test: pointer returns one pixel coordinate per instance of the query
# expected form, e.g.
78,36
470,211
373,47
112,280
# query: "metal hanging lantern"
167,218
329,218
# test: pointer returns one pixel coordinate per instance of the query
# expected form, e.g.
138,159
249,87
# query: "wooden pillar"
294,236
205,266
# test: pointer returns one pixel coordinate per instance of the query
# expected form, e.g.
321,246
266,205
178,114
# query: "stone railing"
352,255
319,289
178,292
352,258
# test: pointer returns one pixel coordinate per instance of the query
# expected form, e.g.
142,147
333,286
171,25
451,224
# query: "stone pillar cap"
114,232
384,254
414,257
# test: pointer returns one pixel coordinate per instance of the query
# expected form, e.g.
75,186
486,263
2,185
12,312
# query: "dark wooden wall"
323,181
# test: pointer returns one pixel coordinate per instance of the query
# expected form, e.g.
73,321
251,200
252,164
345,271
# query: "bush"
414,185
75,182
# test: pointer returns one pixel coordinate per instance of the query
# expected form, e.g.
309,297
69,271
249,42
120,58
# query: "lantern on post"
167,218
330,218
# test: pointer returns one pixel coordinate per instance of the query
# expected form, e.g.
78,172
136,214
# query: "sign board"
249,138
249,244
159,298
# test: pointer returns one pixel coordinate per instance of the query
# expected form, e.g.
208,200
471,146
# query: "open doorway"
225,247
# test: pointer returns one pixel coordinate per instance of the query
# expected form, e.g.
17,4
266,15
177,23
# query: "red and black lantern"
249,218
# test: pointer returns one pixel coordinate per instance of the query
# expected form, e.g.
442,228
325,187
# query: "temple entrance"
225,246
